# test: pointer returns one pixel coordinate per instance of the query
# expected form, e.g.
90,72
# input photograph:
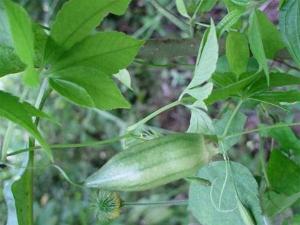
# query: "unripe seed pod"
153,163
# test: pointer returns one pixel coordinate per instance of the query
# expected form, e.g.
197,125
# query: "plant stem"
6,141
172,65
40,101
154,114
161,203
231,118
79,145
262,128
262,161
180,24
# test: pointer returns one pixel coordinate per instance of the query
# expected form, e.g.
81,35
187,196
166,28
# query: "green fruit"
153,163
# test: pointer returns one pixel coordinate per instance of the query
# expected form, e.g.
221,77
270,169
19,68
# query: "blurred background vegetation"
58,202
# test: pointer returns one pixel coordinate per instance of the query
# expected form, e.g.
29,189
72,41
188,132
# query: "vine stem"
262,128
160,203
154,114
79,145
237,108
39,103
262,161
226,159
6,141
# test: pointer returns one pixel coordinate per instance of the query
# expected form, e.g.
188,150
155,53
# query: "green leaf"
200,122
237,52
228,86
241,2
88,87
218,204
207,5
290,27
270,35
285,137
205,66
40,41
78,18
283,174
9,61
274,203
278,97
276,80
237,126
108,52
181,8
17,197
206,62
229,20
22,35
21,113
124,77
5,34
21,29
256,44
295,220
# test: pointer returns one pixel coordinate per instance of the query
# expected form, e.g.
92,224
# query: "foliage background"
56,201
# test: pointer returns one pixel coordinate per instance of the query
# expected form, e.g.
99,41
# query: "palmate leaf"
106,51
78,18
290,27
88,87
276,80
21,113
228,86
277,97
84,73
219,203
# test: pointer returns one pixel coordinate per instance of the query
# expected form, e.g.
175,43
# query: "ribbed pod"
152,163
